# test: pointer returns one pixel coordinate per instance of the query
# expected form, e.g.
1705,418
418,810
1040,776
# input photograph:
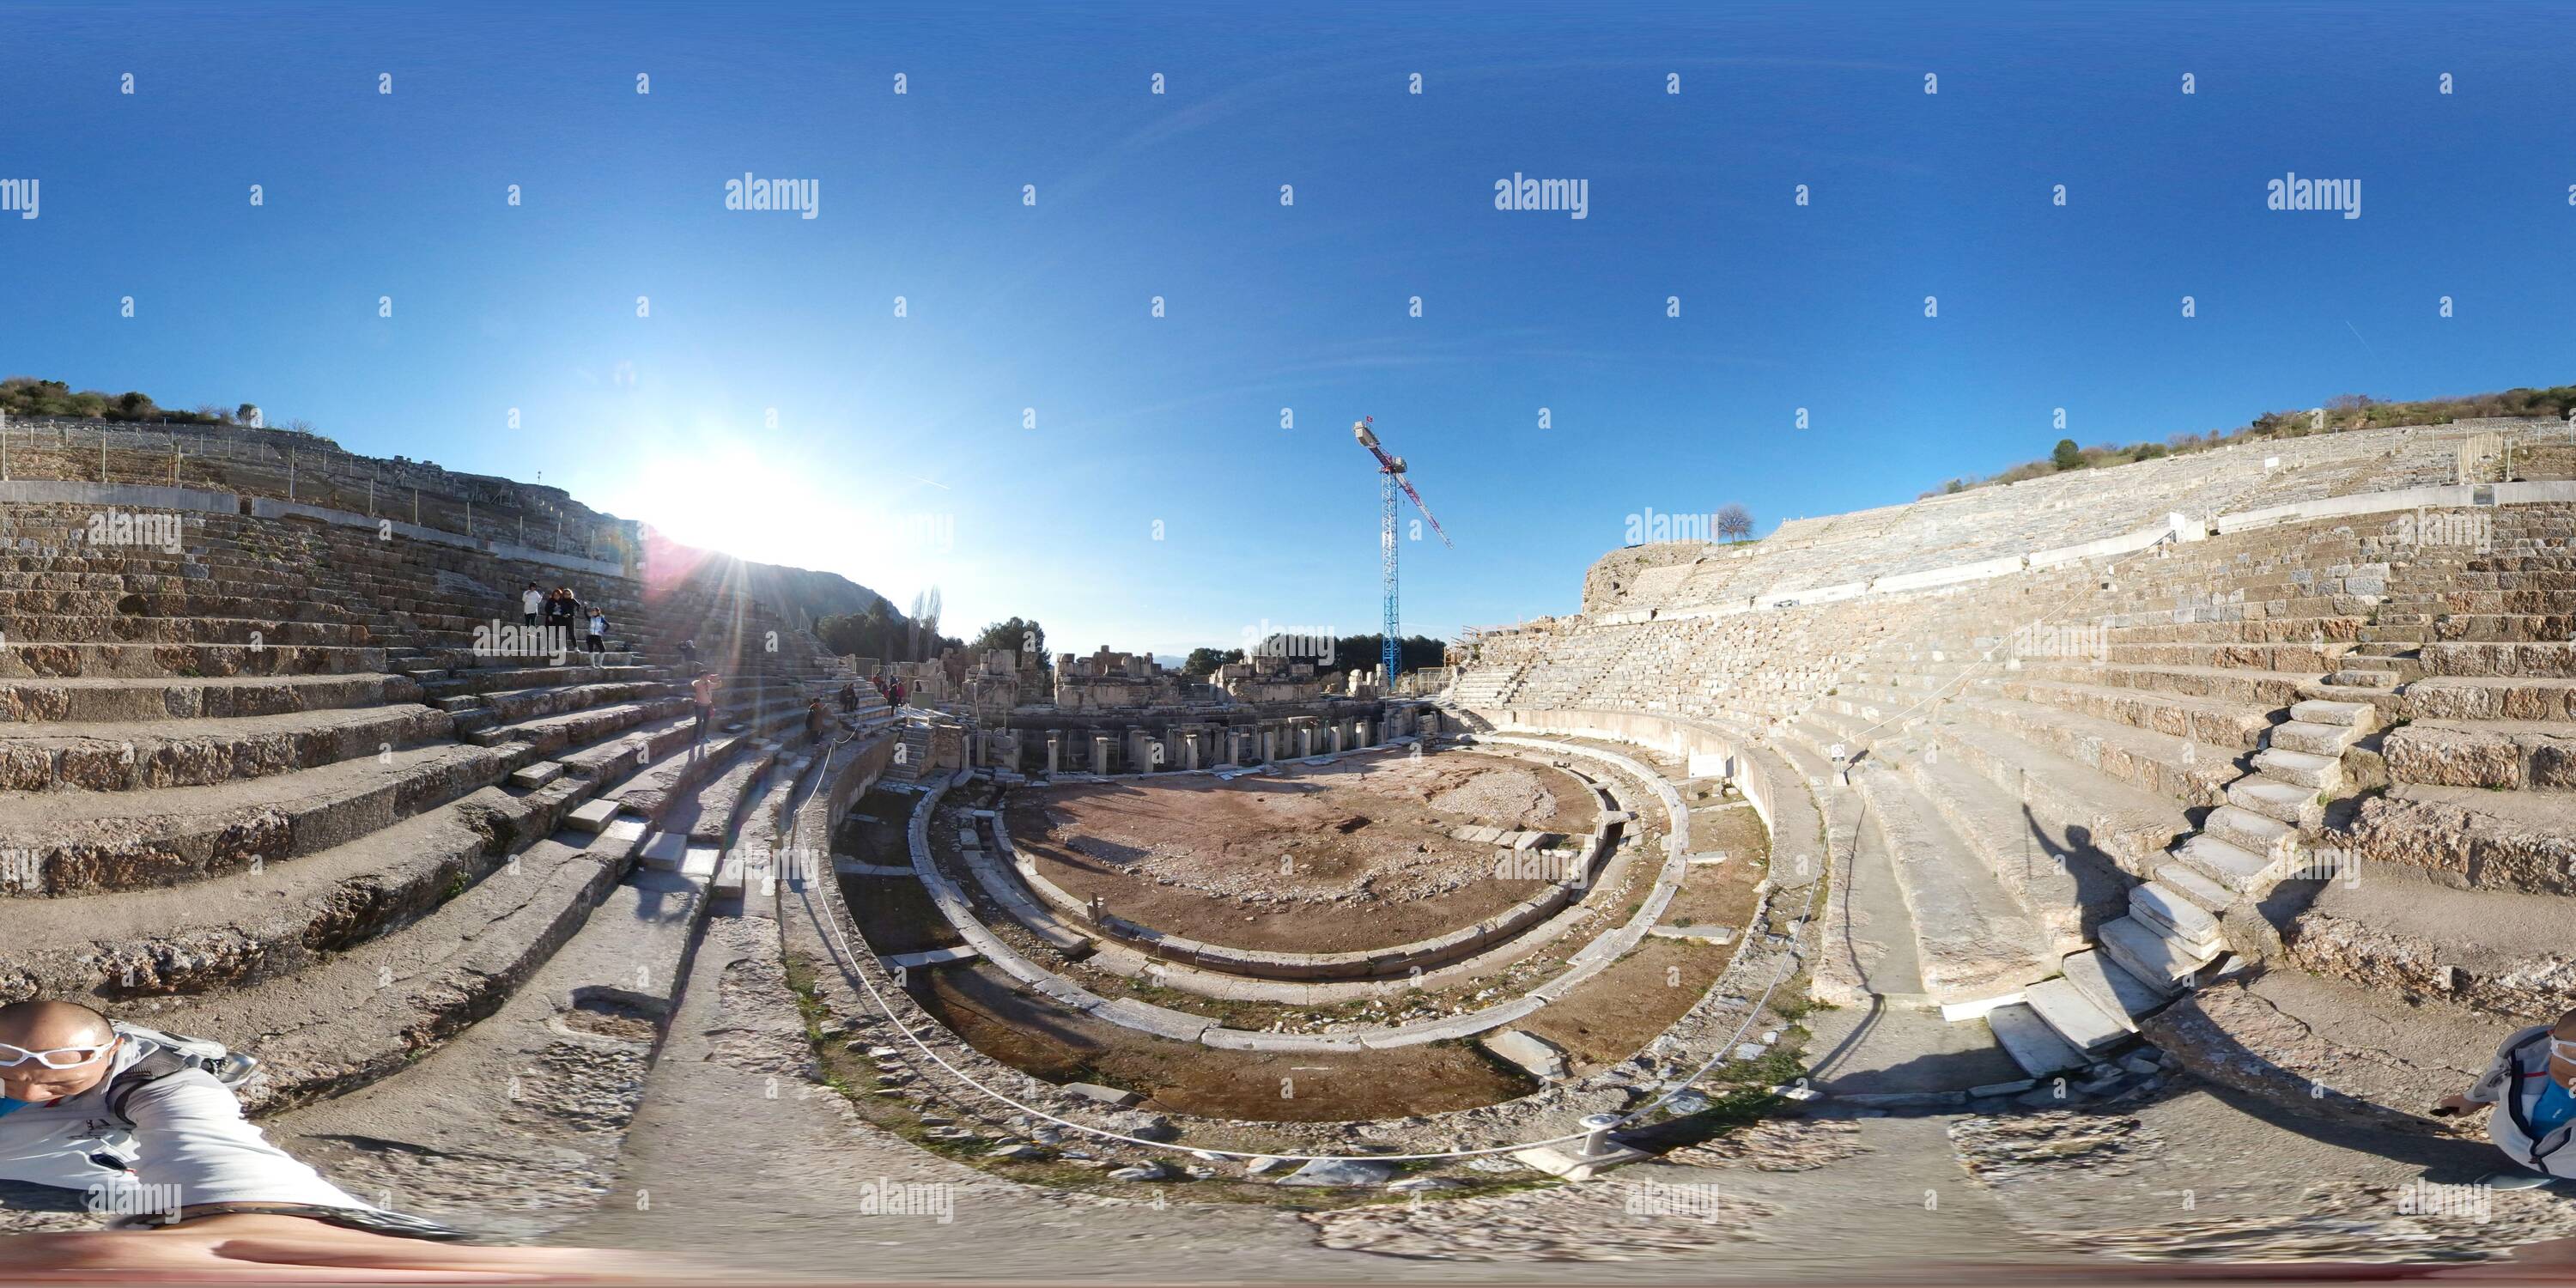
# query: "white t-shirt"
598,624
531,601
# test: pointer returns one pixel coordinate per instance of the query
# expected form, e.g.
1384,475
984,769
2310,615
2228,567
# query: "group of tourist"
560,609
890,690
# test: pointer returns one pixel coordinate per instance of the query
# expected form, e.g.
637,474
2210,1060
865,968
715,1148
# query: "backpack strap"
143,1073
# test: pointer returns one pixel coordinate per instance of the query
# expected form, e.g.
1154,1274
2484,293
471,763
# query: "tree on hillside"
1734,522
2067,456
1205,661
878,632
925,625
1014,636
1365,652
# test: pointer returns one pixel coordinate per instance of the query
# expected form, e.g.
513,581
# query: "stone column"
1337,737
1055,740
1269,743
1190,750
1100,750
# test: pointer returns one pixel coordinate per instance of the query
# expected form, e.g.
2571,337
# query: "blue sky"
898,454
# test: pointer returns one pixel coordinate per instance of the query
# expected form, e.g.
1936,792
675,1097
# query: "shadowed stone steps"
534,1099
123,699
2400,931
139,755
2030,1041
1972,938
223,931
2281,802
2069,889
2117,818
2113,990
369,1012
87,842
2144,953
2072,1015
32,657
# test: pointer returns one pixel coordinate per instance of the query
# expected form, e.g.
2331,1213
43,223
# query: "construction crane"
1390,476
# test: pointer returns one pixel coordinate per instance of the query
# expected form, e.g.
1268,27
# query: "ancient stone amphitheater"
2032,854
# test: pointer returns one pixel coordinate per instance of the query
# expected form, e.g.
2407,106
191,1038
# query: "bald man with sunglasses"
2532,1085
153,1137
90,1105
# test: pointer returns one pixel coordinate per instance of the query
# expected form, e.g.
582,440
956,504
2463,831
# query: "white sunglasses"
2563,1048
58,1058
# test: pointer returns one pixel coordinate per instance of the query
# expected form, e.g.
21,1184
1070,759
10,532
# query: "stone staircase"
264,788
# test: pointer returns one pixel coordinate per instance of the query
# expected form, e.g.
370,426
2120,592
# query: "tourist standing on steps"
598,631
818,718
2532,1084
689,655
703,691
530,601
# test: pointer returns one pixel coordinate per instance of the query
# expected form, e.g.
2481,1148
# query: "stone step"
2246,830
229,930
2405,933
2175,764
2265,690
2204,891
122,699
2229,866
2315,711
1973,939
2113,990
650,987
136,755
2214,722
2317,773
2474,698
535,776
94,842
2054,872
2371,679
2124,821
38,658
2273,799
592,816
2551,659
2031,1043
2322,740
2503,755
2176,918
2142,952
2073,1016
571,1029
547,734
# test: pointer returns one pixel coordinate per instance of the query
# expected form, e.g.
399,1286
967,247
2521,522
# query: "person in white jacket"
145,1130
144,1133
2531,1082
